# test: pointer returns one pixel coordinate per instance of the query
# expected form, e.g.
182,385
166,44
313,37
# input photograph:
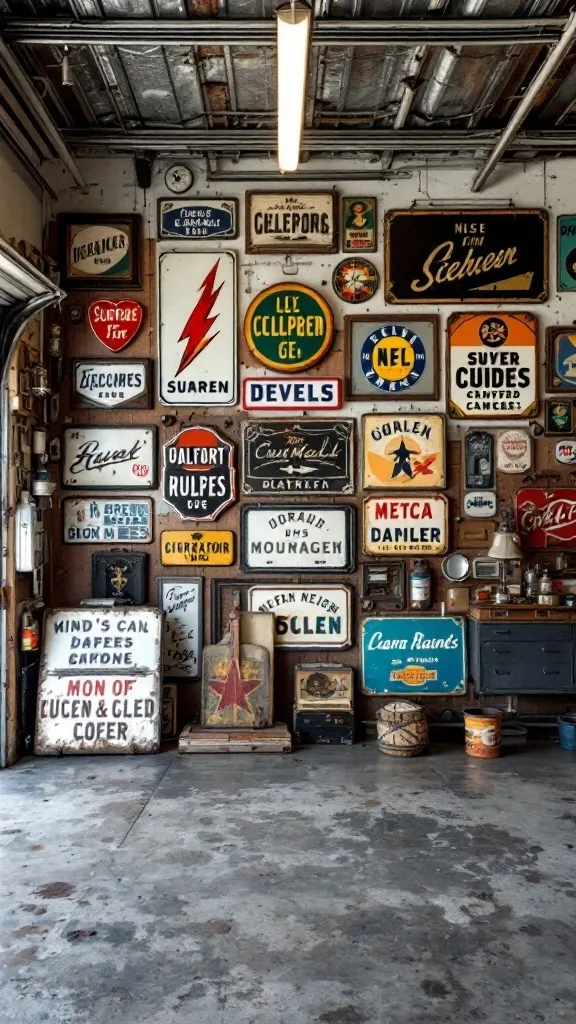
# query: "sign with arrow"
301,457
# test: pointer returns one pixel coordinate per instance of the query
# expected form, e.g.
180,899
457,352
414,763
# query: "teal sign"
410,656
566,242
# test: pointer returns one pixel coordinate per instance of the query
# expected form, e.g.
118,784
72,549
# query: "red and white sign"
407,525
514,451
566,452
321,393
546,518
115,323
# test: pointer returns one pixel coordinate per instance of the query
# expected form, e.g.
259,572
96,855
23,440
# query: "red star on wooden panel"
233,690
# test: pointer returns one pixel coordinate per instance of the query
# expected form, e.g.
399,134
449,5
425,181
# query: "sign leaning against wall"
493,365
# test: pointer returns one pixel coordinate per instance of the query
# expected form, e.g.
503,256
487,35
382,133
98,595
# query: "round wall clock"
178,178
355,280
289,327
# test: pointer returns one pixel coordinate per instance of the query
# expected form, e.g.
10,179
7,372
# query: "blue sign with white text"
420,655
197,218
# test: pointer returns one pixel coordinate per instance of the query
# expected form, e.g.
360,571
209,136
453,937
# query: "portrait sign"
294,394
197,219
99,250
391,359
546,518
197,339
199,476
298,538
109,458
413,655
561,359
111,383
566,245
115,324
291,222
180,598
289,327
406,452
513,451
411,525
358,227
197,547
105,521
317,617
493,362
300,457
470,255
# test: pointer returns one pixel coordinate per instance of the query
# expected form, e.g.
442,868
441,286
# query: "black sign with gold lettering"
470,255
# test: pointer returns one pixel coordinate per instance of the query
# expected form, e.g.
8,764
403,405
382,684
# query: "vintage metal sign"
291,222
105,384
355,280
561,359
115,324
109,458
197,547
403,451
566,246
101,521
307,618
197,339
480,504
292,395
199,477
99,686
493,365
558,417
479,459
358,227
99,250
197,218
565,452
394,359
416,655
513,451
120,575
546,518
180,598
305,456
298,538
412,525
289,327
471,255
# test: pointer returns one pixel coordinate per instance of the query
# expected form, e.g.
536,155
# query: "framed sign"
470,255
391,359
558,417
561,358
109,458
197,337
513,451
479,459
566,253
493,365
99,689
299,457
291,222
546,518
565,452
480,504
198,219
355,280
295,394
411,525
413,655
289,327
403,451
115,324
99,250
298,538
180,598
101,521
358,224
197,547
111,384
120,575
317,617
199,475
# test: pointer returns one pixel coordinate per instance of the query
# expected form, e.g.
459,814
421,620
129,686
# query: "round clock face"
355,280
178,178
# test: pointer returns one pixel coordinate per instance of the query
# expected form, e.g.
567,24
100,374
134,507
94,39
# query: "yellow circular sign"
393,358
289,327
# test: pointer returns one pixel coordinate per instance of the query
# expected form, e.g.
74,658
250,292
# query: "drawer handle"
498,673
502,632
550,650
554,672
498,650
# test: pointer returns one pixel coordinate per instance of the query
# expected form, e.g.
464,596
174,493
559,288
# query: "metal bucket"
402,729
567,731
482,731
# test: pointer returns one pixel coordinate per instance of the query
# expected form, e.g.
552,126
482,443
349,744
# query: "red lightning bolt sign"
199,322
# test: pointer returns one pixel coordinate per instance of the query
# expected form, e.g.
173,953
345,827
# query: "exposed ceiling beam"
248,32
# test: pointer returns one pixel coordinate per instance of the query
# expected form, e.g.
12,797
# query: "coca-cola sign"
546,518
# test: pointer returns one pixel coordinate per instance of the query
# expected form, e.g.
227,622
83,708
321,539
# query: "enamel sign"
199,477
565,452
289,327
405,452
546,518
292,394
306,618
197,547
391,359
291,222
493,365
566,242
197,340
180,599
412,525
109,458
102,521
302,456
413,655
115,324
197,218
480,504
513,451
109,384
297,538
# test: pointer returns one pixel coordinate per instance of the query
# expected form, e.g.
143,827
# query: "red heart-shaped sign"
115,323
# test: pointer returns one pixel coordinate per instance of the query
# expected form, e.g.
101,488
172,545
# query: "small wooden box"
323,686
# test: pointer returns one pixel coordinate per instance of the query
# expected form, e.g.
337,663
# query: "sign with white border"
109,458
297,394
107,521
513,451
409,525
180,598
480,504
298,538
111,384
317,617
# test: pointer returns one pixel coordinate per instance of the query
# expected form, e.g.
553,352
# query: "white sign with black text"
107,521
314,617
480,504
180,598
109,458
107,384
298,538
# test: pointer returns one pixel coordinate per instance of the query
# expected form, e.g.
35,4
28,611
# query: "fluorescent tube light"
293,37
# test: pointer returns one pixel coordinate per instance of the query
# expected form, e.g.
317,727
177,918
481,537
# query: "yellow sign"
197,547
413,675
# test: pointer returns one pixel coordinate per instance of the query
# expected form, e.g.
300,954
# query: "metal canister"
421,585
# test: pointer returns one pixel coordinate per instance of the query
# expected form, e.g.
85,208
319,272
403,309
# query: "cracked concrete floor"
334,886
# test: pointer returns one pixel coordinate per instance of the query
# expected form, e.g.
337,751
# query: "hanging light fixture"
294,22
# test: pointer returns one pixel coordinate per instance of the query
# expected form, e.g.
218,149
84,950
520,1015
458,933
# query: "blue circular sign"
393,358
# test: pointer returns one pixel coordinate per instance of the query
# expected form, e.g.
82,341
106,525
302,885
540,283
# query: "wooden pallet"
196,740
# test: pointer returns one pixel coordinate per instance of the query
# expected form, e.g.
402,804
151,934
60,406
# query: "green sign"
289,327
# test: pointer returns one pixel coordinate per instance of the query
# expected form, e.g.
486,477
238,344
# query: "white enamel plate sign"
415,524
109,458
198,328
316,617
297,538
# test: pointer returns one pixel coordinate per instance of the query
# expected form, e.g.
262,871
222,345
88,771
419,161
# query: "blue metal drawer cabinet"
521,657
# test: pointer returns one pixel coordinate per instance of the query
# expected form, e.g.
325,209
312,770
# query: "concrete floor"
334,885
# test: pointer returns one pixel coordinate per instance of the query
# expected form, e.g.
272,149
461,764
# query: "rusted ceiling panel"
255,79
